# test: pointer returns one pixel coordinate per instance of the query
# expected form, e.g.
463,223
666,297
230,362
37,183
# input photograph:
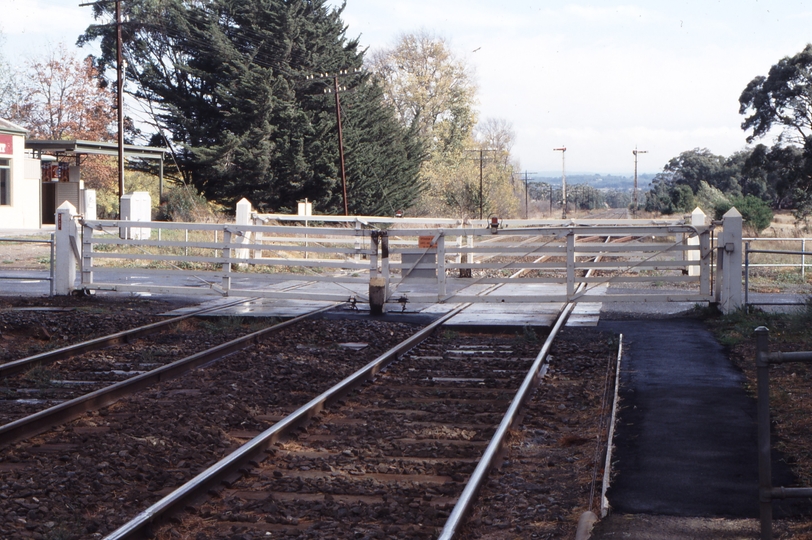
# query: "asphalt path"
685,442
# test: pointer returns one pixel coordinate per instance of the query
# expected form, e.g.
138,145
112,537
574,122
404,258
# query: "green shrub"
756,213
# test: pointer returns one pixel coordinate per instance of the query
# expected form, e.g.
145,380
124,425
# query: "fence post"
570,265
373,258
87,256
358,234
52,274
730,255
705,268
441,265
464,272
66,257
377,283
764,449
243,217
803,259
226,253
697,220
385,261
469,257
746,276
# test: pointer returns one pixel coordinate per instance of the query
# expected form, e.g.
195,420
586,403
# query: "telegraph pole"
341,146
481,168
634,193
563,151
526,193
336,90
120,99
119,90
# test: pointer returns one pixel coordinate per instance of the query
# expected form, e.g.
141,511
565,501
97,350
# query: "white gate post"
697,220
440,265
65,264
730,249
243,218
226,253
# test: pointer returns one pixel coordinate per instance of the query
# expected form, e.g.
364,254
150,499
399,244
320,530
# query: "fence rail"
747,265
802,264
418,260
50,277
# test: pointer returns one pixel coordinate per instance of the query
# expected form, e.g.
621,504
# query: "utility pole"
481,167
526,197
526,193
119,91
120,100
341,147
336,90
634,193
481,164
563,151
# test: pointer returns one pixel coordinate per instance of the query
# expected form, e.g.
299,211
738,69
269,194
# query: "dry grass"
790,385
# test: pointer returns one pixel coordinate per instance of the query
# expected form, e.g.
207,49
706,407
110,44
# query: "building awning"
11,127
79,147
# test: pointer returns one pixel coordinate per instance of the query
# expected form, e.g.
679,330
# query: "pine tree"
229,79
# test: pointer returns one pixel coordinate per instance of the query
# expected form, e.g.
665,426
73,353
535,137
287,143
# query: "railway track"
403,455
47,379
391,459
423,425
87,476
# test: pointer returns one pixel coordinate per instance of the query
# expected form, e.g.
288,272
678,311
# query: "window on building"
5,182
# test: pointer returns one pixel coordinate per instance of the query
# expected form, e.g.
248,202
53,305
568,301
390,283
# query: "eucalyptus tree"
781,101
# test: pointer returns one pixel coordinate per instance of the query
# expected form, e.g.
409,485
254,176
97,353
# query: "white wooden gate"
421,261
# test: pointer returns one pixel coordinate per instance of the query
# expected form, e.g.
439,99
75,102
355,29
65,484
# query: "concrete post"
243,218
697,220
66,250
730,250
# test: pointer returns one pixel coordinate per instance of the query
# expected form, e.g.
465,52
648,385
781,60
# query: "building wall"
24,210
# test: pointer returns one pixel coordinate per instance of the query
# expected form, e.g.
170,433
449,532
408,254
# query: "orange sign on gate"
426,242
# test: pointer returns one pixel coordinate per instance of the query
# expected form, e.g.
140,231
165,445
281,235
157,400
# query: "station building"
20,191
37,176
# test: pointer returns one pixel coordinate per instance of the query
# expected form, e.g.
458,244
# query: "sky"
600,78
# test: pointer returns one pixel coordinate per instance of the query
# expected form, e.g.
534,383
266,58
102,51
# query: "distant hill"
600,181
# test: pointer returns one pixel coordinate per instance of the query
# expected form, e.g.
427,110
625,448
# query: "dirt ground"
29,256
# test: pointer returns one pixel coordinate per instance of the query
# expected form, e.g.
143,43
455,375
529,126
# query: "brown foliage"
60,97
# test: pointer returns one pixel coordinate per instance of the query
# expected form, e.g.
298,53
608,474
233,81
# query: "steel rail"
537,371
58,414
139,526
16,366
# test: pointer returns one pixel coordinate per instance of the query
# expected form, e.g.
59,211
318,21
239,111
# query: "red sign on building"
6,145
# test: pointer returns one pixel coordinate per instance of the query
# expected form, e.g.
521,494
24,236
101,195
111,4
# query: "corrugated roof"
11,127
94,147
